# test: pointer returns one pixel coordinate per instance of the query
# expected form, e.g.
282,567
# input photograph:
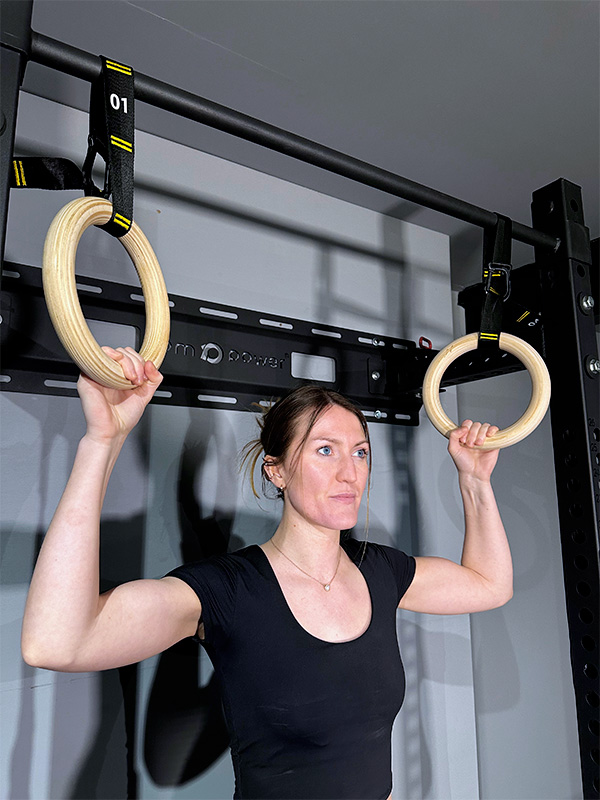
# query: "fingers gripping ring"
540,390
58,275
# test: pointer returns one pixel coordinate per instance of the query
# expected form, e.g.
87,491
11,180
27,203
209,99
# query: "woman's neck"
313,548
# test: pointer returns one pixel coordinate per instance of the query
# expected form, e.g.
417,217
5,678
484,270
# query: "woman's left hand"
463,447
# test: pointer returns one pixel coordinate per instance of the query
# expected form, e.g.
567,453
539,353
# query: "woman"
301,630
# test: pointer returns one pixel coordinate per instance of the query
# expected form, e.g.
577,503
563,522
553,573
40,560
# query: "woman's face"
325,479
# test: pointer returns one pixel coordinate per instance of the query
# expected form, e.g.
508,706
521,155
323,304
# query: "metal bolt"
586,301
377,414
376,375
376,342
592,365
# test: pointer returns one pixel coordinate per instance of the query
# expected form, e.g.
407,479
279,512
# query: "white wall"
65,734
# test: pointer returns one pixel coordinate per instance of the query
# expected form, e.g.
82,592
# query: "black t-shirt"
308,719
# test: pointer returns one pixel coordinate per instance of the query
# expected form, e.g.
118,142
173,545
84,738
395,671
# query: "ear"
271,470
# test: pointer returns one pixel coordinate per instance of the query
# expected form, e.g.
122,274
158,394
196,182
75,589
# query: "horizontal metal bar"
81,64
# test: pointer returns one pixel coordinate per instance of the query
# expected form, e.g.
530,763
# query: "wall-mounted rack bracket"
222,356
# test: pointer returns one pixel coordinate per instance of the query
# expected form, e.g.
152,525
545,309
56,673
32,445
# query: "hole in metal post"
581,562
313,368
590,671
586,616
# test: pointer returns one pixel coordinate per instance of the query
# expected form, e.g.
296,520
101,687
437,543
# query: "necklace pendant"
327,587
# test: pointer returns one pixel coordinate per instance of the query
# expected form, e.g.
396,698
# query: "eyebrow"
334,441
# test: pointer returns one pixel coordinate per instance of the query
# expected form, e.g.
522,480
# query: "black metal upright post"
15,33
572,358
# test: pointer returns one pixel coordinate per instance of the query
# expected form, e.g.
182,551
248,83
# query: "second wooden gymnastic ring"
540,389
58,275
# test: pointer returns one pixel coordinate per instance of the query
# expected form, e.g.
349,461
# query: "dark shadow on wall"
108,769
22,754
185,730
417,757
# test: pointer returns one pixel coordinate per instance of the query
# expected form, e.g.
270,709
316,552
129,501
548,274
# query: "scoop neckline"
298,624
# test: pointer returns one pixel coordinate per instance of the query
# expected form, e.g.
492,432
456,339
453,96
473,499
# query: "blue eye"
362,452
325,448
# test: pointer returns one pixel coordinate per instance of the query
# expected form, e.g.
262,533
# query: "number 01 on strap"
58,275
540,392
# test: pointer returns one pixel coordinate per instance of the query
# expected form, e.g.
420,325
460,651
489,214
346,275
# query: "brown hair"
279,426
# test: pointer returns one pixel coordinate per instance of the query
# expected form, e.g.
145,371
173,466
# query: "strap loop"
112,132
34,172
111,135
497,245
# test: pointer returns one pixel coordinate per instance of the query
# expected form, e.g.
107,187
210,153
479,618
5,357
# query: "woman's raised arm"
68,625
484,578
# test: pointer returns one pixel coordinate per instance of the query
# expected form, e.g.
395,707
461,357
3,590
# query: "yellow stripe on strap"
492,336
522,317
121,143
19,173
118,67
122,221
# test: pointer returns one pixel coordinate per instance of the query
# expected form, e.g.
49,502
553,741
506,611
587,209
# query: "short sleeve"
403,567
215,582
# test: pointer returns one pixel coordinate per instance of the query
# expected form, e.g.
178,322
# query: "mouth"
345,497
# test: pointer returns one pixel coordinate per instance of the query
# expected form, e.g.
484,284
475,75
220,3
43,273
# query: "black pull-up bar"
81,64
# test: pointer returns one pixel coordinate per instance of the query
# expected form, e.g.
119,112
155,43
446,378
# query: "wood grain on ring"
540,390
58,275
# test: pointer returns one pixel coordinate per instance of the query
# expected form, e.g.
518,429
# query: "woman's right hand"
111,414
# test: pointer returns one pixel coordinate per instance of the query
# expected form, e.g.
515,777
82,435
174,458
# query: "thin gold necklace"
326,586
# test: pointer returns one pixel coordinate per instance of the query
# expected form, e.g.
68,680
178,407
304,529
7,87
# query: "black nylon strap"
112,132
497,245
33,172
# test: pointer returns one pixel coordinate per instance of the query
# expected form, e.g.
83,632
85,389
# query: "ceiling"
486,100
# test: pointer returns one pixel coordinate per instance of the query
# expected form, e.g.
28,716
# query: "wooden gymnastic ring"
58,276
540,390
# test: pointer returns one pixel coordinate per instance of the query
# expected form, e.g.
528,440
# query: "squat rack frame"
565,275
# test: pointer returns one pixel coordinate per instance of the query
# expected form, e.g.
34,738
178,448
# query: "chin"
341,523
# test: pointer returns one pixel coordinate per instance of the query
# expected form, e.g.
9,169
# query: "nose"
347,470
